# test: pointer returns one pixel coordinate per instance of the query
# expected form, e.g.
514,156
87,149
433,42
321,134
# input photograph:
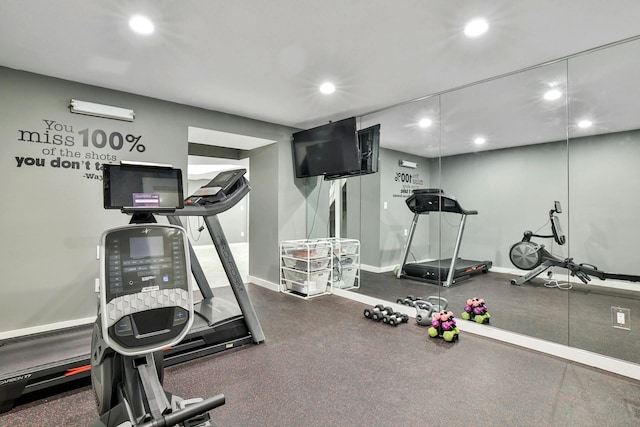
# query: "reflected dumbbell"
410,300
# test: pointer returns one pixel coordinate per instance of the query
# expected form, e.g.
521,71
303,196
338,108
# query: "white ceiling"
602,86
265,59
200,167
225,139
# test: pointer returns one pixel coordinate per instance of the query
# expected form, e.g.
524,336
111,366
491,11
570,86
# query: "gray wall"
54,216
371,208
394,189
596,179
278,206
277,200
354,205
512,190
380,231
317,192
290,193
263,245
604,201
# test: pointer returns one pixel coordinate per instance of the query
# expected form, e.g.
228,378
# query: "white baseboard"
372,269
507,270
595,360
263,283
46,328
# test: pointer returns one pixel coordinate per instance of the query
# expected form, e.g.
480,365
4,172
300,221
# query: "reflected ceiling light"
552,95
479,140
476,27
424,123
141,25
584,124
327,88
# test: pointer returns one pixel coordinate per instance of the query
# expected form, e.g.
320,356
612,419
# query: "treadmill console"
145,291
224,184
431,200
434,200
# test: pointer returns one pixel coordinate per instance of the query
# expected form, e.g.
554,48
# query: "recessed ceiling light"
479,140
424,123
584,124
141,25
327,88
552,95
476,27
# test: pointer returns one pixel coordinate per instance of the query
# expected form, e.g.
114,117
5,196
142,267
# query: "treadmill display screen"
222,178
144,259
141,187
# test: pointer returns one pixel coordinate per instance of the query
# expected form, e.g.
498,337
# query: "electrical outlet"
406,232
621,317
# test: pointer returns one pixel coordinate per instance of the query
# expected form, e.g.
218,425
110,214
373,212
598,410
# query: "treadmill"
443,272
40,361
218,324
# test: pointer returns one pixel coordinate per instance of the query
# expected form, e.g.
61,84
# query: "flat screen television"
368,150
369,141
330,149
132,186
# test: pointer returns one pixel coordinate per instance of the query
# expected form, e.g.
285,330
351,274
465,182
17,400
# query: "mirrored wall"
604,197
544,165
504,155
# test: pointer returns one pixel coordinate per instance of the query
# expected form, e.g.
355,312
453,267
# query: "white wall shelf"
306,268
346,263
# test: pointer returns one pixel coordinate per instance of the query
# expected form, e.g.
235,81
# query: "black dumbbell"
394,319
377,312
379,315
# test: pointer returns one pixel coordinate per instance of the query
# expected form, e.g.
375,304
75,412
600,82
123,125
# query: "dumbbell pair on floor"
386,315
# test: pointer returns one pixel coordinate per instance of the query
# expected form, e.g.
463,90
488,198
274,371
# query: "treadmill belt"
438,270
46,349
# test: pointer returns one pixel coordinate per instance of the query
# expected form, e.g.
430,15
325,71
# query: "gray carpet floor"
324,364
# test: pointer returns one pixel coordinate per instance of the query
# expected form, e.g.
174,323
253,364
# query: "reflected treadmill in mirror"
443,272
